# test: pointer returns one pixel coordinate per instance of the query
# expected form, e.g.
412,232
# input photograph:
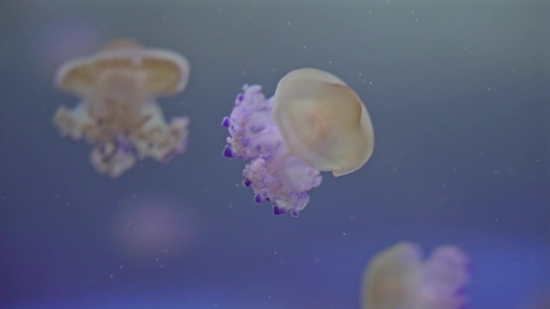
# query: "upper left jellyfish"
118,112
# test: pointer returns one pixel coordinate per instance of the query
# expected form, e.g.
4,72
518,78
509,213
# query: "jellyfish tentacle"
273,174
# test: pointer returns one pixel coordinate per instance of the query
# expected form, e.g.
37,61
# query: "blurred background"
459,96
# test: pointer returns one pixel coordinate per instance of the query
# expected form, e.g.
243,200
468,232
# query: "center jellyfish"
118,112
398,278
313,123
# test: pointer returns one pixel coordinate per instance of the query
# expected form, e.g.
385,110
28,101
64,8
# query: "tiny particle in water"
417,20
513,70
465,47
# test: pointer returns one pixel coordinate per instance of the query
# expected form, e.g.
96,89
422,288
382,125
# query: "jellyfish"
118,112
314,123
397,278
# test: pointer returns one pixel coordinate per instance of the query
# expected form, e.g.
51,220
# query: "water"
459,98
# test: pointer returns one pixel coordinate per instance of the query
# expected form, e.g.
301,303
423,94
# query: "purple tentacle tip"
257,198
278,210
225,122
247,182
239,98
228,152
295,213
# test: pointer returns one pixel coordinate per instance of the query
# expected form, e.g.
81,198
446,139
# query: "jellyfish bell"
323,121
387,277
164,72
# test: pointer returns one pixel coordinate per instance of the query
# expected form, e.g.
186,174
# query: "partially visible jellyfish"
397,278
539,299
118,112
313,123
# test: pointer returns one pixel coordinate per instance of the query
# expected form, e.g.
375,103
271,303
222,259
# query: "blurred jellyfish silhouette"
154,226
539,299
397,278
313,123
118,112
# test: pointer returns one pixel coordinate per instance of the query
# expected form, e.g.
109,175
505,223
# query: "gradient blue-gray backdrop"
458,92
